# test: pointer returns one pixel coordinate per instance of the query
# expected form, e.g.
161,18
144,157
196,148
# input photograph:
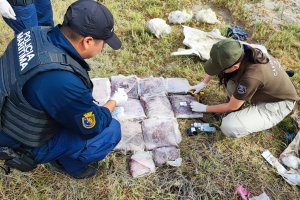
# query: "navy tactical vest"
27,55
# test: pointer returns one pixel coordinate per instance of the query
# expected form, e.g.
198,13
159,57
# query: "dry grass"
212,164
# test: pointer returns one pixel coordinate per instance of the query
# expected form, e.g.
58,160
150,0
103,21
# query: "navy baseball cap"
90,18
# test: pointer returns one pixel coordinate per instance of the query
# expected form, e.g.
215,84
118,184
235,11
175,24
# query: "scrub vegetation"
213,165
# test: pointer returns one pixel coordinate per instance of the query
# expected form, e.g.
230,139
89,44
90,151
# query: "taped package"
181,106
153,86
141,164
157,106
129,83
102,90
132,137
164,154
177,85
132,109
160,132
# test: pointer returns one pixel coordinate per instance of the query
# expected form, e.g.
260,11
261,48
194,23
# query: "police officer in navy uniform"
47,109
21,14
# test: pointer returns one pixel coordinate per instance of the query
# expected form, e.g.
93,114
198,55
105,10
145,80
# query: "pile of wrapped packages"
149,118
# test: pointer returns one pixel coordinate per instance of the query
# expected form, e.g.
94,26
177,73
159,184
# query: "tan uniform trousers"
254,118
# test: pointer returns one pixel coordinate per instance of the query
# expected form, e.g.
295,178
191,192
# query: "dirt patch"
277,12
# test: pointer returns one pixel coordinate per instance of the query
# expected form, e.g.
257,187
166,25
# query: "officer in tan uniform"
248,76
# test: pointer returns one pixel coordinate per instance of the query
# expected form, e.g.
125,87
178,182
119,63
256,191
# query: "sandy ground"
277,12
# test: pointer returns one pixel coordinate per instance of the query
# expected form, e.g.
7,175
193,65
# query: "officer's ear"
87,42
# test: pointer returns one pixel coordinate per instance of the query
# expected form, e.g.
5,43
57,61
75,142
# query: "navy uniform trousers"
38,13
71,150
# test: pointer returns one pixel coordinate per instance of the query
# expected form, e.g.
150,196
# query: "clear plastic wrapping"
153,86
132,137
181,109
177,85
129,83
157,106
101,90
160,132
164,154
141,164
132,109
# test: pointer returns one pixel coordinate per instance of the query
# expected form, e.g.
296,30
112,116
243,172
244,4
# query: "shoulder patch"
88,120
241,89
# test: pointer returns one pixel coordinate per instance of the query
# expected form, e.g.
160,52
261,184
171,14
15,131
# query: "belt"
20,2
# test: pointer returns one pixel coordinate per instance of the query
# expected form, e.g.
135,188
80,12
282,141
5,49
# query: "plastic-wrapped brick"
160,132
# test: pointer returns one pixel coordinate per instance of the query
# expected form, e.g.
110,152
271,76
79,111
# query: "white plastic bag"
179,17
207,16
199,41
158,27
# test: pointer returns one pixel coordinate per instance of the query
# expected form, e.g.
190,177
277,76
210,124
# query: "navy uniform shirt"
65,97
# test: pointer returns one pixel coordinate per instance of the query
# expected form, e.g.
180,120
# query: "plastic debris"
289,136
207,16
290,156
141,164
291,161
175,163
179,17
158,27
102,90
291,176
237,33
262,196
243,192
199,41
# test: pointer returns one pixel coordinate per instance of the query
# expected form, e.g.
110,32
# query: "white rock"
179,17
158,27
207,16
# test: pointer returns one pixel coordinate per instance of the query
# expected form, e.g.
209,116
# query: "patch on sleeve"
88,120
241,89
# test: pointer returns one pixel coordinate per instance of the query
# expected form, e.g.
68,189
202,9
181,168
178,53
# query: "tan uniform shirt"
263,83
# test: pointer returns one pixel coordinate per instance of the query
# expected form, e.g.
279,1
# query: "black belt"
20,2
